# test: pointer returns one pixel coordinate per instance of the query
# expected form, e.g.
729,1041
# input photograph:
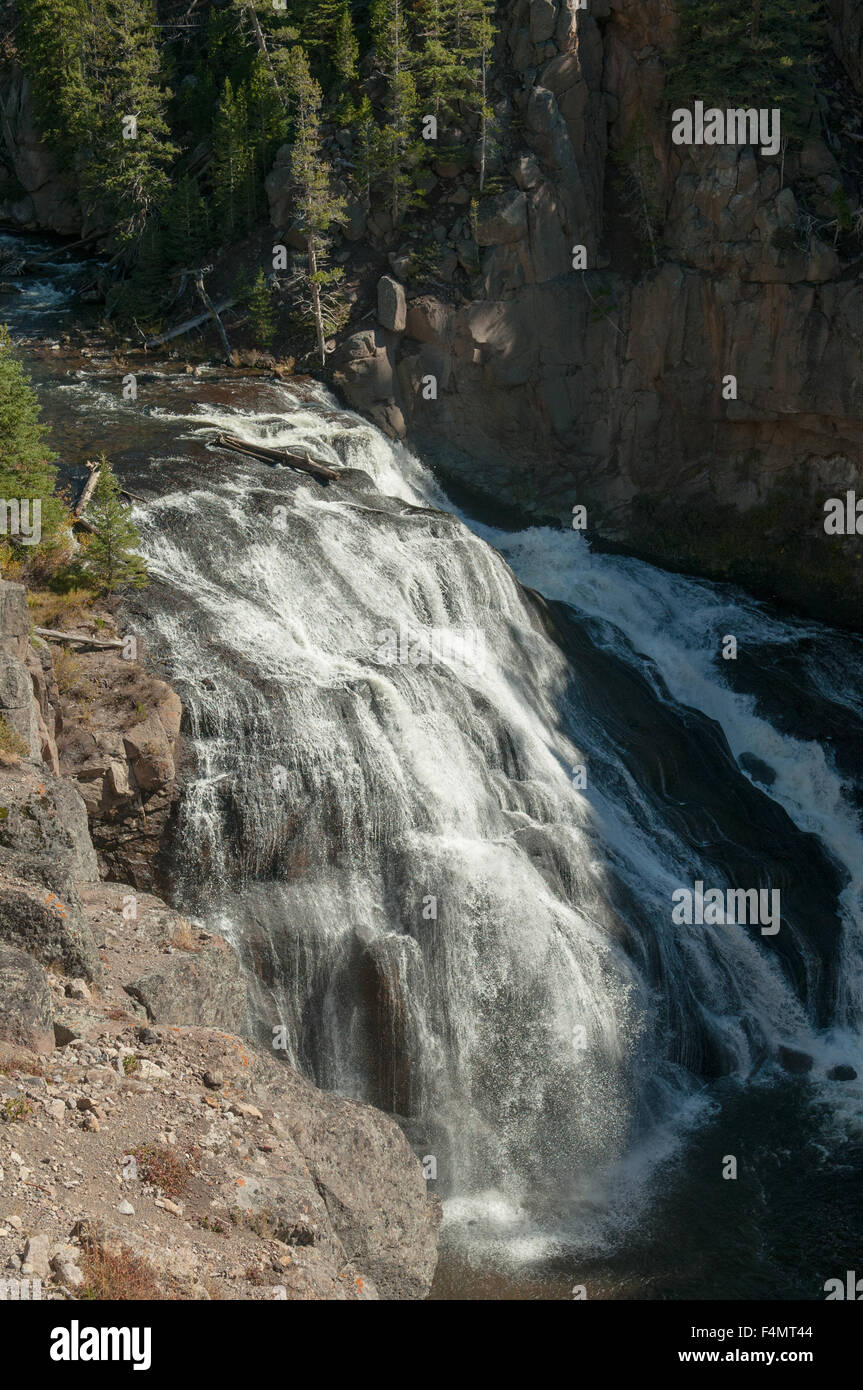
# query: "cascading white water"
550,1035
444,920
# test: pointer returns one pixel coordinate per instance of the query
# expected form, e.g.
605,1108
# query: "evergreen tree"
26,462
261,310
124,175
58,49
398,146
345,58
185,225
140,298
232,163
639,183
346,48
110,555
440,70
317,206
737,56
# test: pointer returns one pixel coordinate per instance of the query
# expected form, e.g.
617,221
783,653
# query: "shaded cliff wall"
605,387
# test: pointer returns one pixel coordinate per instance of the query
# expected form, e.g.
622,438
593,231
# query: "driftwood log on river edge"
53,636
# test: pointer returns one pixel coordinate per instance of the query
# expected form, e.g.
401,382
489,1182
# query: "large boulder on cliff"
26,1002
501,219
45,851
203,986
392,304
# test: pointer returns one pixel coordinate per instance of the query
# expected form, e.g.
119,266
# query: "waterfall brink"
443,818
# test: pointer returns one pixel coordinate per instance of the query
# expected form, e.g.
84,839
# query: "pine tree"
345,58
266,124
440,71
639,183
261,310
185,225
231,162
346,48
26,462
399,148
732,56
124,171
110,552
317,206
57,48
473,41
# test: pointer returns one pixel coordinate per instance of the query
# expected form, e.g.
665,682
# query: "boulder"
40,913
392,304
843,1072
149,752
26,1002
371,1184
14,619
204,987
543,19
794,1061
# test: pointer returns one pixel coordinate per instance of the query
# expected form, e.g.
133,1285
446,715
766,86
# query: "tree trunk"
262,44
483,128
88,489
188,325
316,299
85,641
211,309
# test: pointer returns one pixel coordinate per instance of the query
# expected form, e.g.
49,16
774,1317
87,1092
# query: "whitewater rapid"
547,1036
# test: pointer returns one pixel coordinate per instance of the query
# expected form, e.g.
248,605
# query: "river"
446,779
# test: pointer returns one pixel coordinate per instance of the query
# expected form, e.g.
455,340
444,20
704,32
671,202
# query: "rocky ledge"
147,1148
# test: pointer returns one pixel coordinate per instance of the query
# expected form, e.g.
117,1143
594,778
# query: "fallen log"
88,489
213,312
100,642
284,457
188,324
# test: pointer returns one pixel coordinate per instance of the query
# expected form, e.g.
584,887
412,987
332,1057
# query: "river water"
446,778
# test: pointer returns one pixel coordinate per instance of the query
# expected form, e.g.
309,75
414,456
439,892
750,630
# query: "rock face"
123,762
612,385
36,193
26,1004
203,986
122,756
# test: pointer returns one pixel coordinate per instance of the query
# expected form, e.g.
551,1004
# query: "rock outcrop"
162,1144
610,386
26,1004
36,192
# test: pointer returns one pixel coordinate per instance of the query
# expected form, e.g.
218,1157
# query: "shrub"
120,1275
12,745
72,679
164,1168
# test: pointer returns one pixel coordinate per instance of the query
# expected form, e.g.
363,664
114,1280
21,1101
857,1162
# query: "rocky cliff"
605,386
147,1148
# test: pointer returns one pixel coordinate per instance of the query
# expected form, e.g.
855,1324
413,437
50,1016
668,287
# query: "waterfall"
450,879
444,780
